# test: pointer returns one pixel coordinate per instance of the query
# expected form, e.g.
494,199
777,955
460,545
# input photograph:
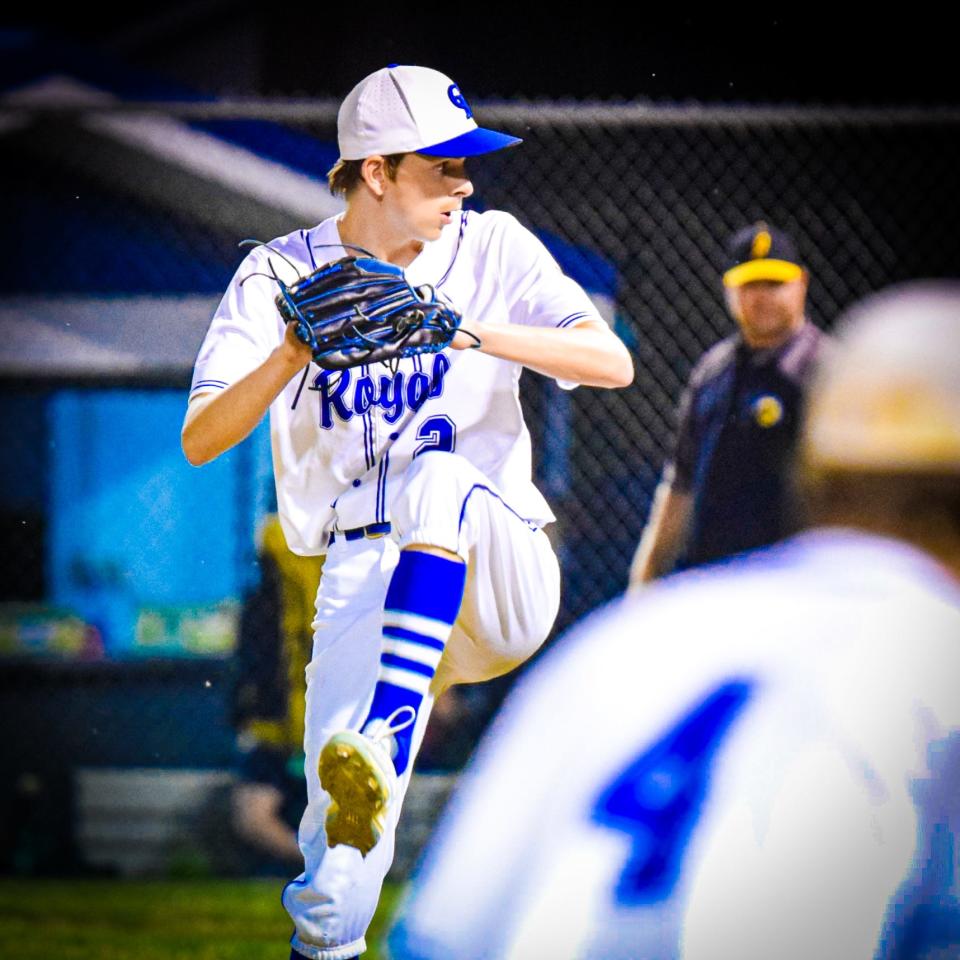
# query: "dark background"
740,54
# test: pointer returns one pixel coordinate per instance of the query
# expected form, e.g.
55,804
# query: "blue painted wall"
132,524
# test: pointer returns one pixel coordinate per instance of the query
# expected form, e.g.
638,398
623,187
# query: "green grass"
154,920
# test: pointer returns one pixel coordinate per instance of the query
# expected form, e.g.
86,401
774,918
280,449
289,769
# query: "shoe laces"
382,732
392,724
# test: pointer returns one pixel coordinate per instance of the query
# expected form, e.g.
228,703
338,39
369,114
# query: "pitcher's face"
425,195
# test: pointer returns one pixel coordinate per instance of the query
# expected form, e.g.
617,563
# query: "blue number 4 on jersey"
657,799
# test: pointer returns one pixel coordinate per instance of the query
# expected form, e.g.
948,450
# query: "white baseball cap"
402,109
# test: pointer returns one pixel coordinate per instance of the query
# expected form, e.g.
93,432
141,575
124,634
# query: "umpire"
725,489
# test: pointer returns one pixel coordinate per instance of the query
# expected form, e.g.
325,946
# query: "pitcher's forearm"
215,422
589,354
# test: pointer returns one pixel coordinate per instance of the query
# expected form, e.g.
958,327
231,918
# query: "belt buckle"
373,535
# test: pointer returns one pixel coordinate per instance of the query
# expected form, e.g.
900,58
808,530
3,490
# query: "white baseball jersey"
341,438
752,761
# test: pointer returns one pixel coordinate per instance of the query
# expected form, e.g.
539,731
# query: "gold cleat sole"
359,790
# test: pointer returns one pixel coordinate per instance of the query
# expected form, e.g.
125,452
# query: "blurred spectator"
725,489
37,826
274,646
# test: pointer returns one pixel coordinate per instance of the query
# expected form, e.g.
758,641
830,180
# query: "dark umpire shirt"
738,422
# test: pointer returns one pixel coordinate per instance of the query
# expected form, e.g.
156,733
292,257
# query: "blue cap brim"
471,144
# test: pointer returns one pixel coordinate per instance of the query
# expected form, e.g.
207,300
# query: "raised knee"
428,508
440,467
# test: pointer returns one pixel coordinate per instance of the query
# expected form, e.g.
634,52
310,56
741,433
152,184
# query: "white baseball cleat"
357,770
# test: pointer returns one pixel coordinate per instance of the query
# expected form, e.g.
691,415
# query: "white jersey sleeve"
538,293
244,330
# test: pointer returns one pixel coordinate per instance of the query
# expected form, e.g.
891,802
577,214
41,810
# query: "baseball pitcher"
387,344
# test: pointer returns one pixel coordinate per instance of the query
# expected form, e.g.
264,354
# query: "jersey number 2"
436,433
656,800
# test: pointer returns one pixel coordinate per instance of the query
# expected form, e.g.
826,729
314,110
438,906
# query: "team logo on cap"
458,100
767,410
761,245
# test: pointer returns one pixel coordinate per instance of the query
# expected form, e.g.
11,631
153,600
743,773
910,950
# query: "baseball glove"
363,310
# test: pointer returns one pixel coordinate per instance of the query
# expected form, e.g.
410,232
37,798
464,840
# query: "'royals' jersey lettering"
343,398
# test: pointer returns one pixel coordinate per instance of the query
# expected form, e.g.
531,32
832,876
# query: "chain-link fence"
656,193
124,209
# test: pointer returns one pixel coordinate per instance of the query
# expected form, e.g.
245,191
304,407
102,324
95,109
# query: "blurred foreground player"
726,488
754,761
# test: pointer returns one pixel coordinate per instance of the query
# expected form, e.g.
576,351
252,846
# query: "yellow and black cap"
761,252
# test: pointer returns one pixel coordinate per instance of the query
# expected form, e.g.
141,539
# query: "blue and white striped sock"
422,603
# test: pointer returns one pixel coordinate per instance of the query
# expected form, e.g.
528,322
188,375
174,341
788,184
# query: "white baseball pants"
510,603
